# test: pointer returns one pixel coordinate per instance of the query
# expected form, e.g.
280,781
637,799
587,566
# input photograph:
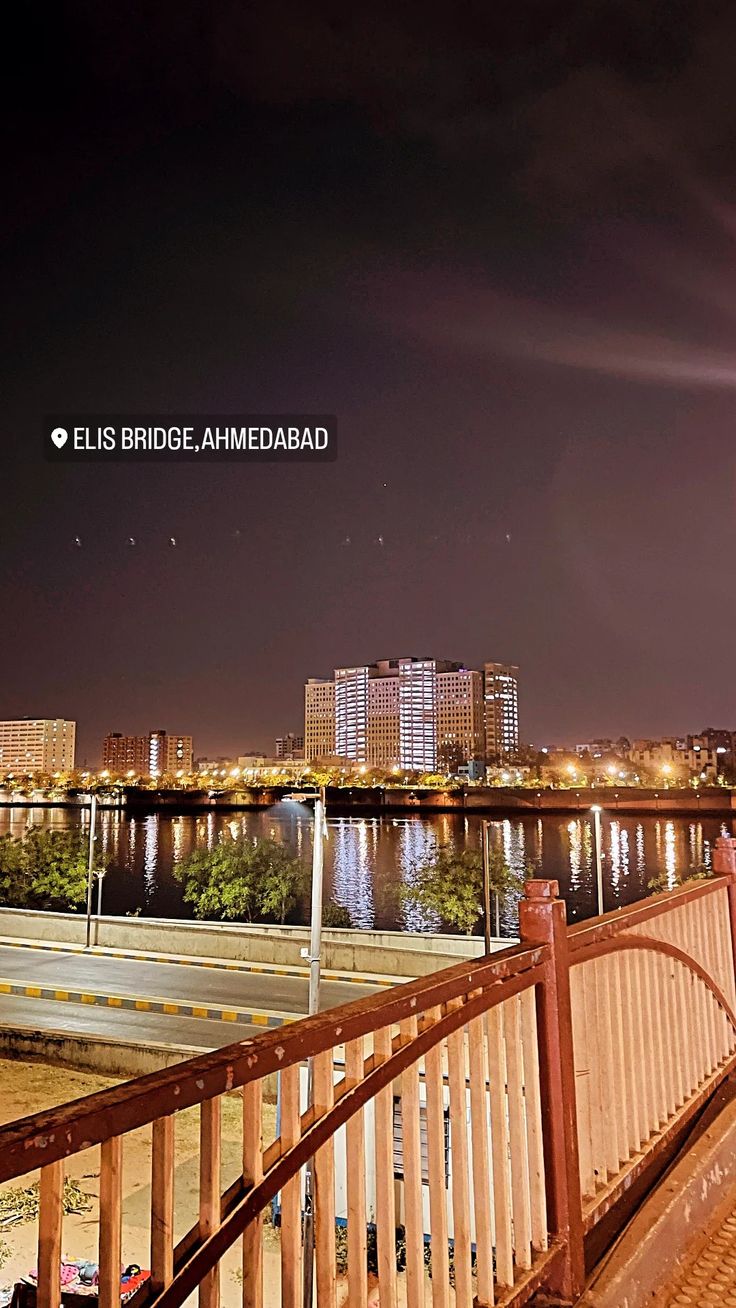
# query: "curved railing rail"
654,1027
492,1114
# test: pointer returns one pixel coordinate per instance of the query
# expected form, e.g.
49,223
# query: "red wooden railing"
565,1066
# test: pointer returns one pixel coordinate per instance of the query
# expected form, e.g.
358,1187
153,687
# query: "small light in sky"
172,540
131,540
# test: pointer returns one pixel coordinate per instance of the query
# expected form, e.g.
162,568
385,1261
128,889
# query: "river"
368,859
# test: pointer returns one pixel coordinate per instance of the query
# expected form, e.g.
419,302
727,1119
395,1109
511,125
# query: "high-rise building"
351,713
151,755
38,744
460,718
418,714
319,719
290,746
501,701
414,713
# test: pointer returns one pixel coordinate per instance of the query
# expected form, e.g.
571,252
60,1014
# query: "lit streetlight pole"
485,837
596,811
90,862
313,955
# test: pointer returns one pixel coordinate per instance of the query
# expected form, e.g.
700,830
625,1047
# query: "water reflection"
369,859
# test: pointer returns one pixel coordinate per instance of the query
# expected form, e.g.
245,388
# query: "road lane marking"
168,1007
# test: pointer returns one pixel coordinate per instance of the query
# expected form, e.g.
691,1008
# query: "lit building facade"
151,755
501,710
319,719
418,714
410,713
460,718
38,744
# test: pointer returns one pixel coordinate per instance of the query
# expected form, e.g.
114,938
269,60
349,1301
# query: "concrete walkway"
707,1277
680,1247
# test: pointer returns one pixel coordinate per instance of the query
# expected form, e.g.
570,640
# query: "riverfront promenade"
374,800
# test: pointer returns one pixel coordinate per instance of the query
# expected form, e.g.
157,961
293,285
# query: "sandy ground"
32,1087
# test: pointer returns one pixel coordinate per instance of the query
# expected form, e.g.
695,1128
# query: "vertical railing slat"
479,1110
252,1174
608,1088
291,1199
210,1200
710,963
357,1219
500,1149
640,1049
591,982
633,1124
620,1088
162,1203
385,1193
324,1186
411,1152
517,1135
582,1079
50,1221
111,1221
532,1096
437,1172
457,1080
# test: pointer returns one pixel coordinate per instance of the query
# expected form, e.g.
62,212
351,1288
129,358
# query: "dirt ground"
31,1087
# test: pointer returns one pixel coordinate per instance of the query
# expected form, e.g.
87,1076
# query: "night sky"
499,243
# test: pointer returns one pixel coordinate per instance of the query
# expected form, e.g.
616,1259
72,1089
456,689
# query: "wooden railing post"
542,920
724,864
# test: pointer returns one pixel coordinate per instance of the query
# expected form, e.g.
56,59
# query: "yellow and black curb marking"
169,1007
260,969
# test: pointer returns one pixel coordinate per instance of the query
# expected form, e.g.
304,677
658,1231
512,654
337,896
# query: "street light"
313,956
90,861
596,811
486,848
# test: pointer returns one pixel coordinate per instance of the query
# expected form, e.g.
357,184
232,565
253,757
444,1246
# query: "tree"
451,885
281,880
44,869
242,880
336,915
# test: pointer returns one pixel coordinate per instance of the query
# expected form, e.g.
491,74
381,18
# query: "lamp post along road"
485,842
596,811
90,862
315,949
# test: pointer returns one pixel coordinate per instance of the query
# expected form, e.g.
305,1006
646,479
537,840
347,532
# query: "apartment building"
37,744
152,755
319,719
501,711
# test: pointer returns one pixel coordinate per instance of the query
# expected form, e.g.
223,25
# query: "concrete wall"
392,953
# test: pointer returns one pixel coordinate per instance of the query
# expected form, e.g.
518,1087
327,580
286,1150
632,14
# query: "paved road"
144,1028
175,981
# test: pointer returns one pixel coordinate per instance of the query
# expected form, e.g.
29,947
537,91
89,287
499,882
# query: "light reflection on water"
369,859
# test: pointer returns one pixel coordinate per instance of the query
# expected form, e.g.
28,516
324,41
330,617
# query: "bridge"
507,1116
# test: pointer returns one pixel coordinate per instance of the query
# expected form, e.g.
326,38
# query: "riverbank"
499,801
